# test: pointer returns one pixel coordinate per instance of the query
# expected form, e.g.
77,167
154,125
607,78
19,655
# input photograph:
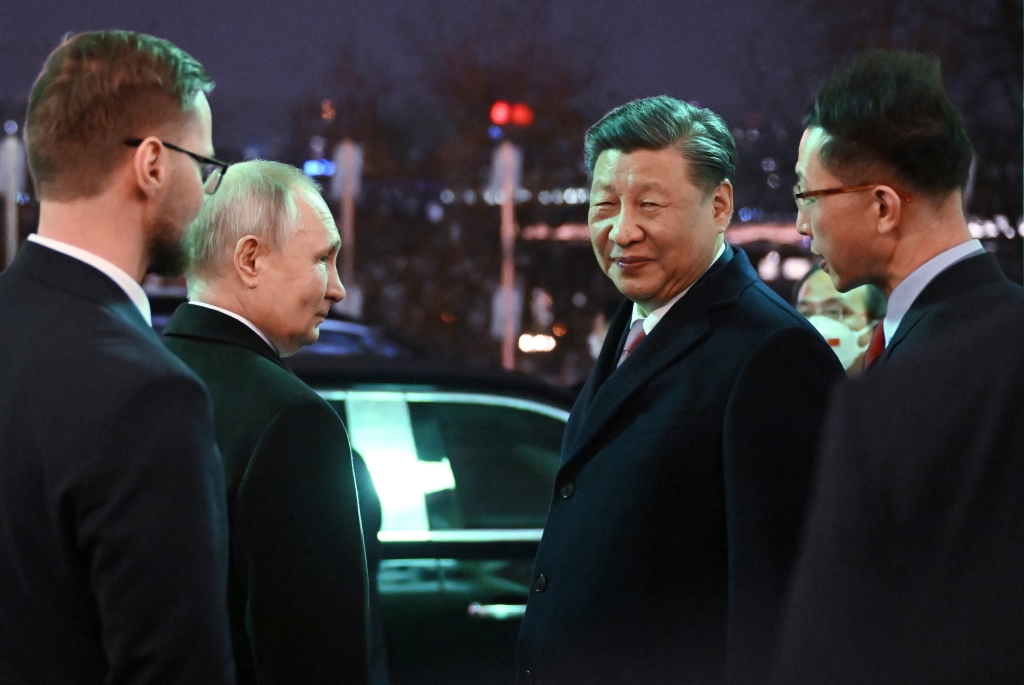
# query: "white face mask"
844,341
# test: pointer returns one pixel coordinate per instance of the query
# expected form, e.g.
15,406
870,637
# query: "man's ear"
721,205
888,207
248,259
150,166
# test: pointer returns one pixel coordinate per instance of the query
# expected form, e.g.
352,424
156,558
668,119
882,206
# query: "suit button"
567,490
528,678
540,584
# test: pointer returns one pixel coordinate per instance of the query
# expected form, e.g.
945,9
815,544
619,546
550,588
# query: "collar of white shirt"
906,292
128,284
244,320
652,319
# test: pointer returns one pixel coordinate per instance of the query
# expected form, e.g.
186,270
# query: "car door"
464,481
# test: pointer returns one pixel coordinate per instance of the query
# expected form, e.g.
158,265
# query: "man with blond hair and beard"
262,277
113,528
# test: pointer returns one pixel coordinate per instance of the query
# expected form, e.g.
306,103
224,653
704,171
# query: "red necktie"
876,347
636,335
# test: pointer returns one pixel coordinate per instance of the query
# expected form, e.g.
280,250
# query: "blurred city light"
318,167
768,164
11,127
542,342
494,131
327,112
522,115
501,113
795,268
447,196
768,268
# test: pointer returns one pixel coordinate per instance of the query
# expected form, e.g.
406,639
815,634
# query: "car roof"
324,372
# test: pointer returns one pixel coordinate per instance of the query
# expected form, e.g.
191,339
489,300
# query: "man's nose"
803,224
625,229
335,290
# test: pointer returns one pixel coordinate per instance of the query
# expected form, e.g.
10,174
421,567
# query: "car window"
454,461
503,460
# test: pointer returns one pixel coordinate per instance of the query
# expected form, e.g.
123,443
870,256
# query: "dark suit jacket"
912,566
961,293
676,511
297,589
113,524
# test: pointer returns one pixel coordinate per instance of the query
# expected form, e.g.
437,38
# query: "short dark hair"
96,90
660,122
889,108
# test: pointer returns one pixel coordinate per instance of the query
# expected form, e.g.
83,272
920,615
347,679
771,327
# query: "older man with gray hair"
261,279
677,508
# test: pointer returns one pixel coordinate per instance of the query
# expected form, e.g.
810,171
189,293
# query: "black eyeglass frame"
205,161
906,197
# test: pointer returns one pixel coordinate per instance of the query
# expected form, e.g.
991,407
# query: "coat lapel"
201,323
963,275
685,325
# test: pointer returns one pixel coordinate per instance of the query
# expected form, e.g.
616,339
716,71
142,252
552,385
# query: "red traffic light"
501,112
522,115
518,114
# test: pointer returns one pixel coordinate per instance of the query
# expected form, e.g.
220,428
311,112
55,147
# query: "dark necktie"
876,347
636,335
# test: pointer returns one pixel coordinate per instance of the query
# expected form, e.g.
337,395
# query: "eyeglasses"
799,194
829,308
210,170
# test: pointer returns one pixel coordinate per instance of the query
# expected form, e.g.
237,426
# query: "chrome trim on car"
489,535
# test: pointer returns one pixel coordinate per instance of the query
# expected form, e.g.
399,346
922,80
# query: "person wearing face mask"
846,320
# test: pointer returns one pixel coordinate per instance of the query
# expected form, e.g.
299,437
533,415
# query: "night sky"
266,55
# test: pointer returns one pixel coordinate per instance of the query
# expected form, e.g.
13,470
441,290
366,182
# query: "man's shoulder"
245,383
761,311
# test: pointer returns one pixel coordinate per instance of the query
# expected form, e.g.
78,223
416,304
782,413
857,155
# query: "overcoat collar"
685,325
78,279
202,323
963,275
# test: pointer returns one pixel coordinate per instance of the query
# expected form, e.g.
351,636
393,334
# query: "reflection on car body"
464,480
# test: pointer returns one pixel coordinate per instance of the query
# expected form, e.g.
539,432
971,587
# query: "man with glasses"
846,320
910,567
113,523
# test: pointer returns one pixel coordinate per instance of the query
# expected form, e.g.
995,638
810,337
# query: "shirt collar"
244,320
652,319
128,284
904,294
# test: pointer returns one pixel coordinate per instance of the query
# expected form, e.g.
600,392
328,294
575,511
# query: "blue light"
494,131
318,167
746,214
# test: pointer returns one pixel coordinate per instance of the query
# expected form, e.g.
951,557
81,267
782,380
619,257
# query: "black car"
462,462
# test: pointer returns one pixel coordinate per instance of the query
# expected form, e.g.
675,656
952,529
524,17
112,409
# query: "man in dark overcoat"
113,523
910,571
262,276
676,511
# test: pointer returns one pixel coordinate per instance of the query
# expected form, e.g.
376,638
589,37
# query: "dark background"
413,83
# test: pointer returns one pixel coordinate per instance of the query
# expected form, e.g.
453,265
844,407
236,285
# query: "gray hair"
254,198
660,122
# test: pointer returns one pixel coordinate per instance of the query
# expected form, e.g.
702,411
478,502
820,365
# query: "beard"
166,253
165,237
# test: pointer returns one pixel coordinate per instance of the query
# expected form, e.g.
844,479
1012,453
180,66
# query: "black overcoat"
113,523
911,570
297,589
677,508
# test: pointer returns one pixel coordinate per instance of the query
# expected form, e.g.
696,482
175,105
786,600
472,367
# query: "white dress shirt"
128,284
244,320
906,292
652,319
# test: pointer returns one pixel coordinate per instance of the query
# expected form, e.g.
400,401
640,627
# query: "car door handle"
497,612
